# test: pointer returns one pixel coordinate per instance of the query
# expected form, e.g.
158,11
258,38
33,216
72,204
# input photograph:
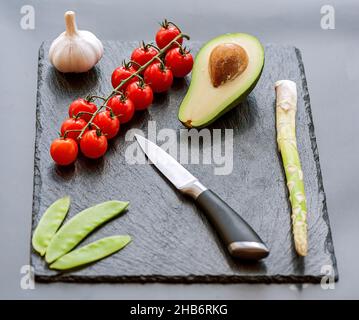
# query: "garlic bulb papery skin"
75,50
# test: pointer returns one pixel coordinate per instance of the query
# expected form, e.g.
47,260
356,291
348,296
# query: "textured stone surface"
172,242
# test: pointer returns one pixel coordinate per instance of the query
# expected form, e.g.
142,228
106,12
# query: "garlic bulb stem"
70,22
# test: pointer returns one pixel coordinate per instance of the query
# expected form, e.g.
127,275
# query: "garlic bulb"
75,50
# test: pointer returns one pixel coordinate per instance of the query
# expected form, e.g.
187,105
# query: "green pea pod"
49,223
77,228
92,252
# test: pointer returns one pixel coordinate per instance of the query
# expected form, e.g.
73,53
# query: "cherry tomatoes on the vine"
141,95
166,34
122,107
64,151
179,61
108,124
159,77
142,55
93,144
122,73
82,105
72,124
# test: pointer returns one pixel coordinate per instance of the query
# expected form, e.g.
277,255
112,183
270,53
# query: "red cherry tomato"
140,94
64,151
82,105
109,125
72,124
180,63
159,77
142,55
166,34
93,144
122,107
122,73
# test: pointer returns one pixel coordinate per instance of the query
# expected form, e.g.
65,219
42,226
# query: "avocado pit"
226,62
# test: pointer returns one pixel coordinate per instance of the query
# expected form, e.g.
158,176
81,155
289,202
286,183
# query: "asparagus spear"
286,107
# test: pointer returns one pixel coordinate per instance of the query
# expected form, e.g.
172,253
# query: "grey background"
332,69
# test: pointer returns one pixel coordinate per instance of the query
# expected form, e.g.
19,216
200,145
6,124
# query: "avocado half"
205,102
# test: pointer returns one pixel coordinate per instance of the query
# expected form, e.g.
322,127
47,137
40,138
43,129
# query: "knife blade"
237,235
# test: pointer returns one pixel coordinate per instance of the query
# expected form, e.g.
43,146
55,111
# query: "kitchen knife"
237,235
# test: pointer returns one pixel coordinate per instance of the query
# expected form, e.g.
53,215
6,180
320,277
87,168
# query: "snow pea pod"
49,223
77,228
91,252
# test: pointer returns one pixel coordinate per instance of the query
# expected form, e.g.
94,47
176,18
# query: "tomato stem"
183,50
140,78
70,130
135,63
135,74
162,65
170,22
126,65
153,46
98,132
79,114
123,96
165,24
97,97
96,126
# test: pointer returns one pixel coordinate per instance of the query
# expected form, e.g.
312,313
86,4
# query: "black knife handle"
238,236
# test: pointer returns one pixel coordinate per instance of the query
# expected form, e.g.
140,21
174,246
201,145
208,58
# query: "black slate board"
172,242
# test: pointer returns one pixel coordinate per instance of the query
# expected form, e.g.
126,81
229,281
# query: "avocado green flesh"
203,102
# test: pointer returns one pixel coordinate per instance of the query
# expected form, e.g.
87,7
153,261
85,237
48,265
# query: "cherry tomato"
82,105
140,94
122,107
166,34
122,73
159,77
72,124
108,124
93,144
180,63
142,55
64,151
